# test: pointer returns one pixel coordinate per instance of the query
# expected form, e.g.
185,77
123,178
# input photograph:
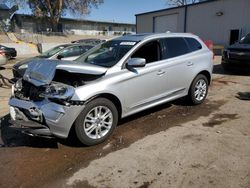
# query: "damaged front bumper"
43,118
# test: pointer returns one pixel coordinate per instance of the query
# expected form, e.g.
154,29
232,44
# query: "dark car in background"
237,56
63,52
92,41
9,52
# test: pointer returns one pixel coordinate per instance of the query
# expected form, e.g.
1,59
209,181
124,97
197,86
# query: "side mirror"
59,57
136,62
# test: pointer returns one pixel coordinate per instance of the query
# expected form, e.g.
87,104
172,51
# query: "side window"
84,48
150,52
194,45
71,51
175,46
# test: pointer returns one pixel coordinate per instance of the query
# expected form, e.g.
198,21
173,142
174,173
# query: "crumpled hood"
41,72
25,61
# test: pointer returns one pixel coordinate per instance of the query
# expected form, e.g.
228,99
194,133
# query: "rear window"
194,45
175,46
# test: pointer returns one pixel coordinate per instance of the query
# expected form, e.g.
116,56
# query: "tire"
96,122
198,90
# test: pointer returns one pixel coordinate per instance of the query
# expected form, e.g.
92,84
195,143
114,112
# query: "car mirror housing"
136,62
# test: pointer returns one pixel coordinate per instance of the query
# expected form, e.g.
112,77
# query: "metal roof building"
222,21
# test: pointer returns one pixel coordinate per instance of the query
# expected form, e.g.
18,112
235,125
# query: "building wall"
24,23
203,21
145,22
95,28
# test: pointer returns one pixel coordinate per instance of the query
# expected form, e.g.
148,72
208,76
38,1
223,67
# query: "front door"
144,85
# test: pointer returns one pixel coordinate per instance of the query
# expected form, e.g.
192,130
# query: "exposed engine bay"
54,81
74,79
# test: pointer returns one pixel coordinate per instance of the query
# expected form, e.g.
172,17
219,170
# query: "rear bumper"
236,64
43,118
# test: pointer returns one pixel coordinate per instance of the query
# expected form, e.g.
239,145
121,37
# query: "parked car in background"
237,56
90,41
62,52
111,81
3,59
9,52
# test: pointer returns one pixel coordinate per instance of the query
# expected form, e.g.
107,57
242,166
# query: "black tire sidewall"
81,135
192,89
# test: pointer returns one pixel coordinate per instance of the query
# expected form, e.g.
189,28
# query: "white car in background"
67,52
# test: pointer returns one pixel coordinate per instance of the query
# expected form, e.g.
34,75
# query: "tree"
54,9
182,2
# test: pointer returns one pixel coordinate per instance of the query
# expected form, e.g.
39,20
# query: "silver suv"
111,81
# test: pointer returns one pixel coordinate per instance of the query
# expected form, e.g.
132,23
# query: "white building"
222,21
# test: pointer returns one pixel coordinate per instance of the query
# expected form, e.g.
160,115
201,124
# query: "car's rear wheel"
96,122
198,90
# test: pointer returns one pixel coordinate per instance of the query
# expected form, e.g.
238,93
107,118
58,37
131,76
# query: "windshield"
245,40
107,54
52,51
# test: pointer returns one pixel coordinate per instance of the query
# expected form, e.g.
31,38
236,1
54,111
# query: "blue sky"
124,10
116,10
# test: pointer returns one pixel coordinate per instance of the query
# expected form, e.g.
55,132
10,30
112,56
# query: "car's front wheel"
96,122
198,90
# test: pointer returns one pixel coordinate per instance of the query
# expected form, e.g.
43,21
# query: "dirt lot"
173,145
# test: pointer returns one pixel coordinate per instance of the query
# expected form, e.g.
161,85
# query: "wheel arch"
114,99
108,96
205,73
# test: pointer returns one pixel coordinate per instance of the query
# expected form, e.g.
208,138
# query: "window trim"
159,49
191,51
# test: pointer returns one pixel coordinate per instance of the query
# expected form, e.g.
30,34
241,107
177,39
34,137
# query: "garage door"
165,23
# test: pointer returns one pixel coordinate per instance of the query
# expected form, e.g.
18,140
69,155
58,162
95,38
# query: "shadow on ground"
13,138
10,137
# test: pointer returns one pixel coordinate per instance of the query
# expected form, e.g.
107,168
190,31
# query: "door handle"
160,72
190,64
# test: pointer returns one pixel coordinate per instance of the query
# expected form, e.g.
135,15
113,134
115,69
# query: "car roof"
144,36
74,44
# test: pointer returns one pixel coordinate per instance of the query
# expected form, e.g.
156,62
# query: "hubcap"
98,122
200,90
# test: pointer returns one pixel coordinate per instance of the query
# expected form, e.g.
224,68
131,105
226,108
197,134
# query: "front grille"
30,92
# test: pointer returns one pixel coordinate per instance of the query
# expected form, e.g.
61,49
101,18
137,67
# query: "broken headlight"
58,91
18,85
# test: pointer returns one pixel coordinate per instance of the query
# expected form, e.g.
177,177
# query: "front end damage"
42,102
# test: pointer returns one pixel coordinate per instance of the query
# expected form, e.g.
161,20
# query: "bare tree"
54,9
182,2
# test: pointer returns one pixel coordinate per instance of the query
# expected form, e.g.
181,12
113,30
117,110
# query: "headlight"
18,85
58,91
24,66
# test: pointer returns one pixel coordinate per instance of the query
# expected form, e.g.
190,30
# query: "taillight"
210,45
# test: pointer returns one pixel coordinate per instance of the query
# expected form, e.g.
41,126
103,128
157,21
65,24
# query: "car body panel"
136,88
41,72
237,56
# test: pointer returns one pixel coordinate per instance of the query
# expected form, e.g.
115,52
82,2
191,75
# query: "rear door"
179,65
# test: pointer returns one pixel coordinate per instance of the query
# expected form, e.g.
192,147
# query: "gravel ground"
173,145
